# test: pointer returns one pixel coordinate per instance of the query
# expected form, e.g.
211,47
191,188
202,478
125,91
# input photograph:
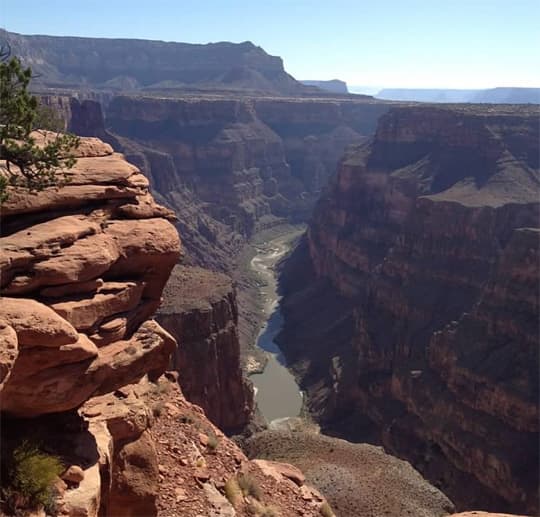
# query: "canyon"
370,309
84,365
233,167
408,310
411,306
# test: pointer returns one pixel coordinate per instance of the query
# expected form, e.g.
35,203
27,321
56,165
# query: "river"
276,392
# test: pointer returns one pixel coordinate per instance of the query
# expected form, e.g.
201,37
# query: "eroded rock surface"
359,480
197,462
82,268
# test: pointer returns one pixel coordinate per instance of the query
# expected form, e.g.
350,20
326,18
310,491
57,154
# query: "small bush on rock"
269,511
249,486
232,491
31,476
259,510
157,409
212,442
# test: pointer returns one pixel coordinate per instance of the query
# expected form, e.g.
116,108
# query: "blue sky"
409,43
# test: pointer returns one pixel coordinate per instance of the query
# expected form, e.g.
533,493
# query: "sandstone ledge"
82,268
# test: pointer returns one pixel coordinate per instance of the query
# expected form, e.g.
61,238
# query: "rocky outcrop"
82,271
359,480
134,64
200,311
115,451
200,470
418,329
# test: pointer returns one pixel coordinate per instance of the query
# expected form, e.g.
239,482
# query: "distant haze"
500,95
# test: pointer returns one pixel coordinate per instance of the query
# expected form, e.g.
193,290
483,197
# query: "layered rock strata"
240,164
219,149
200,311
423,291
228,166
135,64
82,270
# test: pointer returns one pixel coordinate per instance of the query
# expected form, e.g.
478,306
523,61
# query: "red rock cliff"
201,312
423,253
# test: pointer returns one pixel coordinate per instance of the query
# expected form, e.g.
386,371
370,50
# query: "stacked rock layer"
82,271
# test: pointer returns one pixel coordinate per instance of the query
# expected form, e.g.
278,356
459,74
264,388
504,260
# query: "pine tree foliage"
25,163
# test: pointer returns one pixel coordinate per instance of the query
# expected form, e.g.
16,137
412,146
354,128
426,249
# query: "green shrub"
27,164
31,477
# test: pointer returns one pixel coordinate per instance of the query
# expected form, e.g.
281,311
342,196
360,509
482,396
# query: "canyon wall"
411,311
135,64
228,167
231,167
201,312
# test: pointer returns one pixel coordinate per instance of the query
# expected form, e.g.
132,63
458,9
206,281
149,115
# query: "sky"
378,43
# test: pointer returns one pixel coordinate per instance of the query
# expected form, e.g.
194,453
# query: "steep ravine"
334,466
329,308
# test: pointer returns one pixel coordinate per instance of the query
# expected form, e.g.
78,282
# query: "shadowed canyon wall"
201,312
242,164
227,167
411,308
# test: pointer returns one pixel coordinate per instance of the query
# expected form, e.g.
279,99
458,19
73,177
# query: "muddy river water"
276,392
